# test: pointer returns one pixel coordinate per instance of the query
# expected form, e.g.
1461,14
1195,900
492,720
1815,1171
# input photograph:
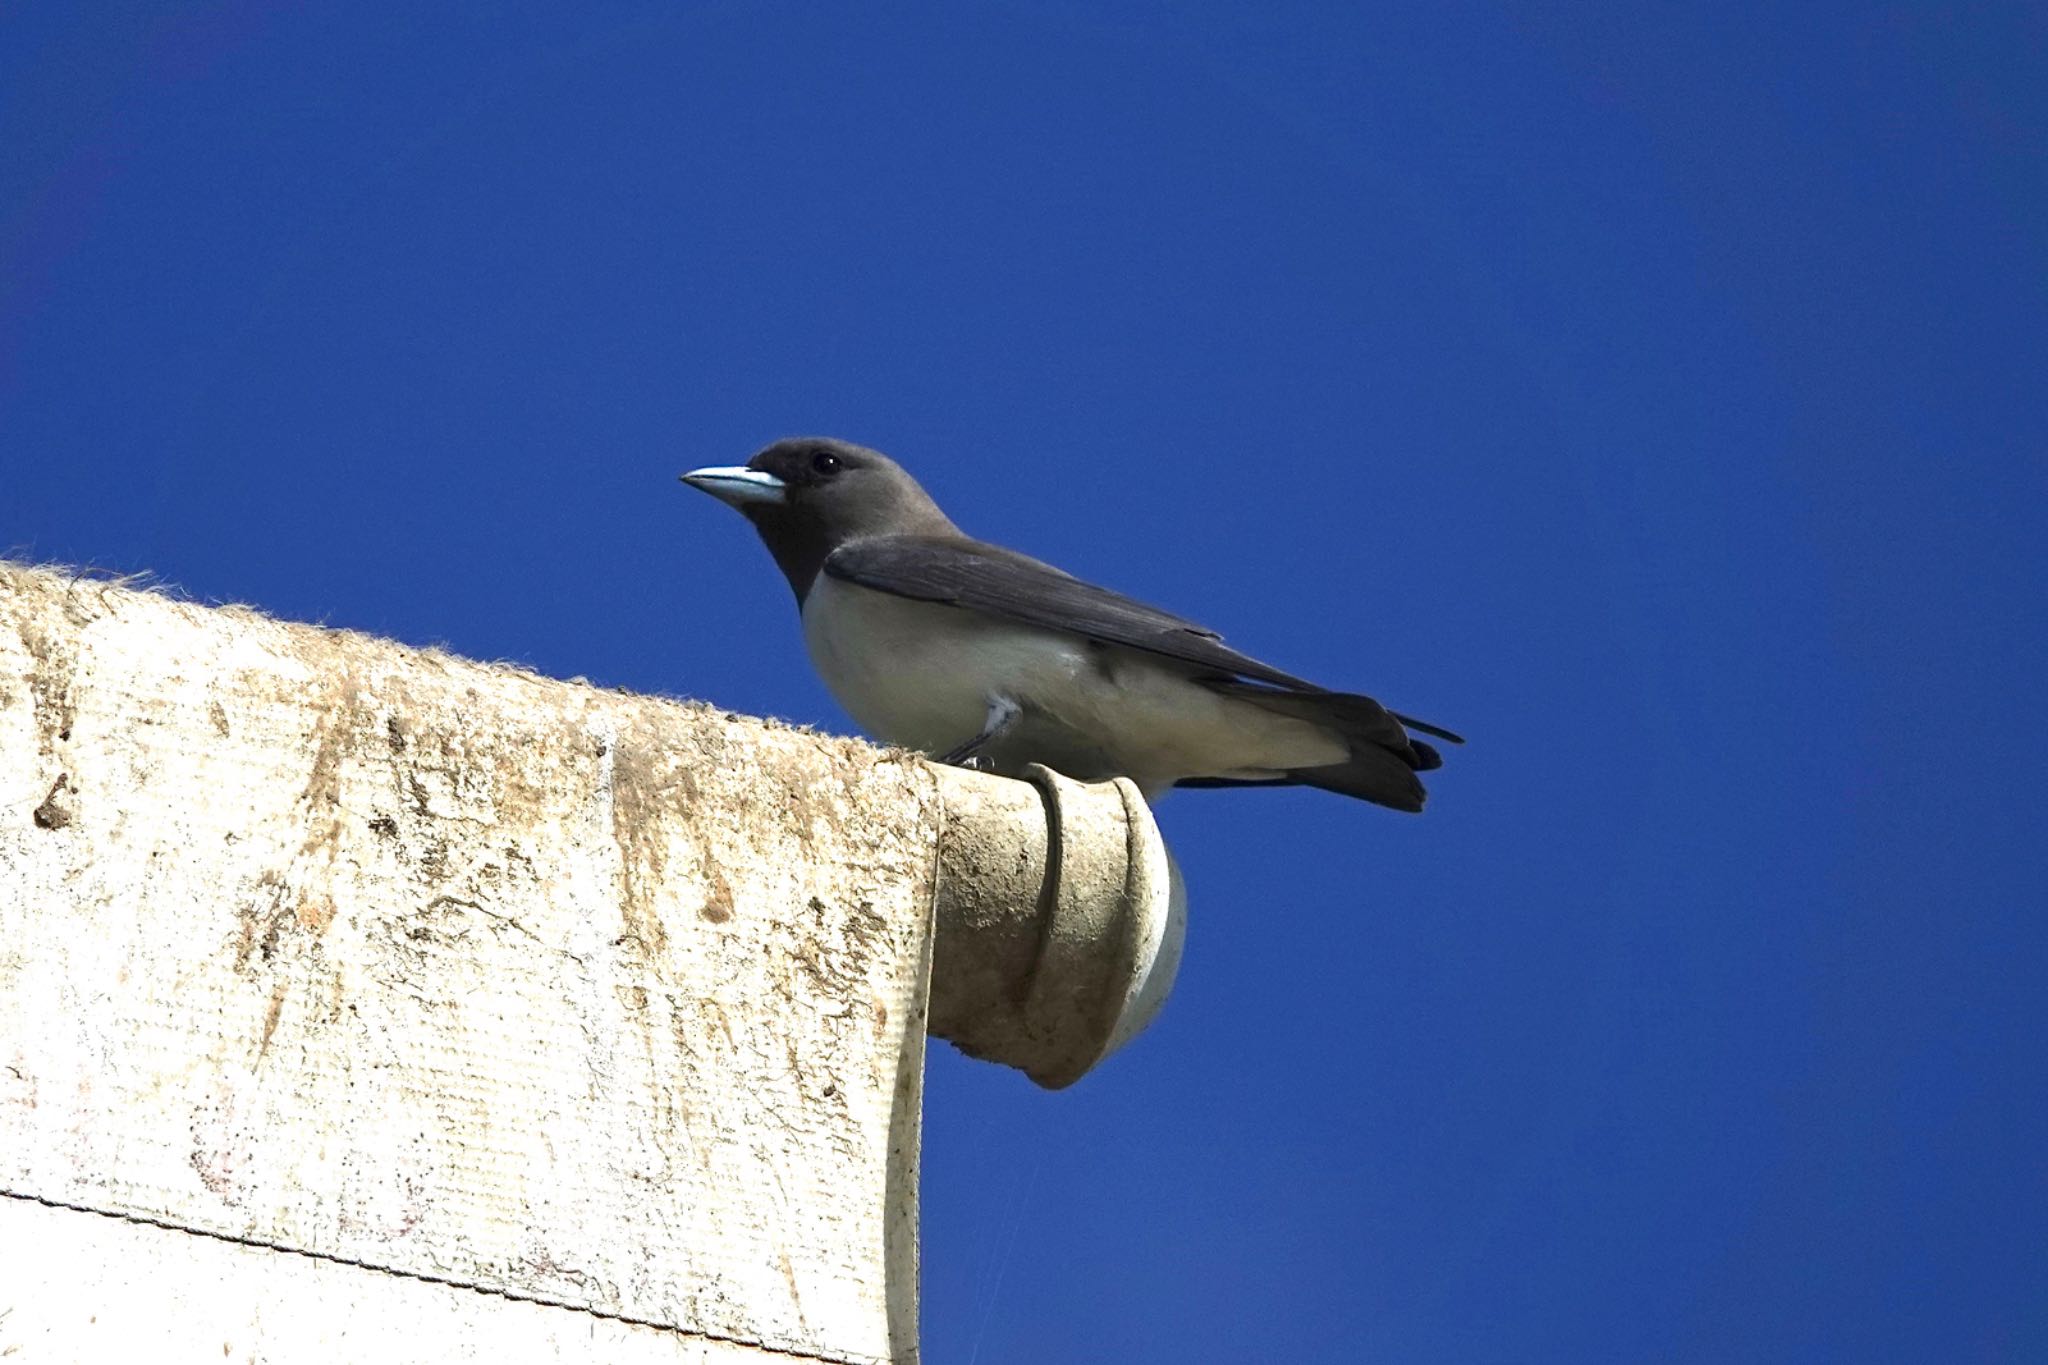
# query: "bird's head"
809,495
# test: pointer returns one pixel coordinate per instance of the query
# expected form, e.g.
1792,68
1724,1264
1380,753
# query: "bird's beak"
738,485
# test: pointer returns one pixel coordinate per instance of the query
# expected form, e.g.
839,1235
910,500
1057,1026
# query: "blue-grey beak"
738,485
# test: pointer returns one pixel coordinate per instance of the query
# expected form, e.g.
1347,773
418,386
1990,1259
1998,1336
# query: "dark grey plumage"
1095,683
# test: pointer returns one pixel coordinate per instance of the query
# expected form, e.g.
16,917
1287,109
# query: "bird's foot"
1001,712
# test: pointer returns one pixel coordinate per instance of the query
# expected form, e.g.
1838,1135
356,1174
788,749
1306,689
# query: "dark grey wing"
987,578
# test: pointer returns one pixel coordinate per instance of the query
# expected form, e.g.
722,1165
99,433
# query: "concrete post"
340,981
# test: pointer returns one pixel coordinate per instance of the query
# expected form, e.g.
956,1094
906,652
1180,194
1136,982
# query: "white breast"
921,674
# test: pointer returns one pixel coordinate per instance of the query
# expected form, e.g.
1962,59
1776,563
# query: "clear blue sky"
1653,393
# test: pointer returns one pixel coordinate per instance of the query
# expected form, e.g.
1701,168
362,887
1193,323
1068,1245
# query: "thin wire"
1026,1190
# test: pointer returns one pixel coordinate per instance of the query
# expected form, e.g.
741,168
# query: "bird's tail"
1384,758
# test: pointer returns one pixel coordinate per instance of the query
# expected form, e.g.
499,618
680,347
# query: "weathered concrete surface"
340,981
314,942
168,1297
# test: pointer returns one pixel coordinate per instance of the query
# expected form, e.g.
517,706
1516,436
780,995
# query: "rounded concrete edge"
1058,924
1160,903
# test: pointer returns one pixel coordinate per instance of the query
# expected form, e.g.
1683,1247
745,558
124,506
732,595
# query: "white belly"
923,675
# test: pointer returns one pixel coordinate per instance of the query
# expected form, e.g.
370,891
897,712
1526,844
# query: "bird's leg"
1002,712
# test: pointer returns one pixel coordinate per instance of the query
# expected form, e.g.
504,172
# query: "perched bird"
977,654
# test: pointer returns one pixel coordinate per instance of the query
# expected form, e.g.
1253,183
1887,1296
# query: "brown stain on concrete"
299,896
315,914
523,785
50,684
332,735
718,900
637,773
795,1299
270,1016
54,812
710,1007
259,927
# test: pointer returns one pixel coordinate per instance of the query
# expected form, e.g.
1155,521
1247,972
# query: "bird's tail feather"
1371,775
1384,757
1428,729
1376,776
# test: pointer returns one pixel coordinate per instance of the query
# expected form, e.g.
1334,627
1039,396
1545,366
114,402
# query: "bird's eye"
825,462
